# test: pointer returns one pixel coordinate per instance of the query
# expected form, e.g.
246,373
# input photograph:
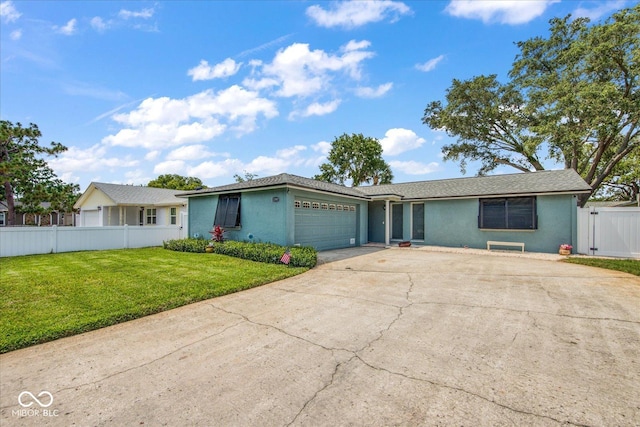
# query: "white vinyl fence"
16,241
611,232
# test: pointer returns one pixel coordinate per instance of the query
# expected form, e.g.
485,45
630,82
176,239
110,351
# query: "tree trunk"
11,214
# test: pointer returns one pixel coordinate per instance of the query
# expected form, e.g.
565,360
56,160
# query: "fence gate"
611,232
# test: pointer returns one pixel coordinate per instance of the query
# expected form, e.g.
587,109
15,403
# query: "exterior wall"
95,199
261,218
202,211
454,223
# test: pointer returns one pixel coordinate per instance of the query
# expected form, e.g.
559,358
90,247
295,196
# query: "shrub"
185,245
301,256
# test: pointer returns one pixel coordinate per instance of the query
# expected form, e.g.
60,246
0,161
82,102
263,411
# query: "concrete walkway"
390,337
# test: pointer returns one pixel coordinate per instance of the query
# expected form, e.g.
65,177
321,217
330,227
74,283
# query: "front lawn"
626,265
45,297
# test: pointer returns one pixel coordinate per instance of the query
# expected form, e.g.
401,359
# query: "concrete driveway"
391,337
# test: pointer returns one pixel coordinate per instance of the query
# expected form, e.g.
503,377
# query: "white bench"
494,243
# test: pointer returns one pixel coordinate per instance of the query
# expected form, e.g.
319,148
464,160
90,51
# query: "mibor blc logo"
27,400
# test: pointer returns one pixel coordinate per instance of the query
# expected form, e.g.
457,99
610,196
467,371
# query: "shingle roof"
283,179
137,195
554,181
557,181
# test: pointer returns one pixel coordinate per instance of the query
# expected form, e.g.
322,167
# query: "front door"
397,224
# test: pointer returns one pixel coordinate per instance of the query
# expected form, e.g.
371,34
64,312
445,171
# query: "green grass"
627,265
45,297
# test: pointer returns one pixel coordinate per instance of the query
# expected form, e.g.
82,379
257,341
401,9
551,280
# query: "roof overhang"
204,193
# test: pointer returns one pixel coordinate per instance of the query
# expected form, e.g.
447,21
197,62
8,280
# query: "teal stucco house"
536,208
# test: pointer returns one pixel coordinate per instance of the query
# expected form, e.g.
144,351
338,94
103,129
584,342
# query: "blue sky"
213,89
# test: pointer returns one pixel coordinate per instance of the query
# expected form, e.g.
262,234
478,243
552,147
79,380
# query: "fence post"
126,236
54,239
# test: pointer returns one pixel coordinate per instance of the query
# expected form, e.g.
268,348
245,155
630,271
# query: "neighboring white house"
114,204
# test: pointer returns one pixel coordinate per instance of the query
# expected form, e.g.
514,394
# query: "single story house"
46,217
114,204
536,208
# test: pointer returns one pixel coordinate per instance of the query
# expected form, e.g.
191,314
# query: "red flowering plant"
217,234
566,246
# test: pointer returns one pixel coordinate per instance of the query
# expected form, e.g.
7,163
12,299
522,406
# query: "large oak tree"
355,158
176,182
573,97
25,175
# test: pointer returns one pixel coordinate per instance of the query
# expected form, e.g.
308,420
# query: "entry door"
397,221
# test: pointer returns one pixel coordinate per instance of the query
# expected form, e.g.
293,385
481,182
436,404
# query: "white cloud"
510,12
152,155
370,92
164,122
210,169
16,35
69,28
143,14
298,71
322,147
94,158
597,12
192,152
8,12
317,109
430,64
169,167
98,24
204,71
351,14
399,140
414,168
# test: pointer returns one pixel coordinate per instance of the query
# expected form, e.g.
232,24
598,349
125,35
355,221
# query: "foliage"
356,158
176,182
46,297
26,176
573,97
631,266
624,181
218,234
488,130
304,256
186,245
248,176
566,246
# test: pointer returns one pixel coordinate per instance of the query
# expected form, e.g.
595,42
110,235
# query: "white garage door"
325,224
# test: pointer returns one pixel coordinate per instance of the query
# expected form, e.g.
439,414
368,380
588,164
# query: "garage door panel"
324,228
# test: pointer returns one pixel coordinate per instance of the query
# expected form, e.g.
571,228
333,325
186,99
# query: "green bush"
303,256
185,245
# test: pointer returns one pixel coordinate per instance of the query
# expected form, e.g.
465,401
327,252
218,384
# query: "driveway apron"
391,337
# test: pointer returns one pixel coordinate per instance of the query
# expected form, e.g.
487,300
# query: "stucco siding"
202,211
262,219
454,223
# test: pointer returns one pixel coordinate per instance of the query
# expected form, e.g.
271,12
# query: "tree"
573,98
176,182
624,182
248,176
356,158
25,174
